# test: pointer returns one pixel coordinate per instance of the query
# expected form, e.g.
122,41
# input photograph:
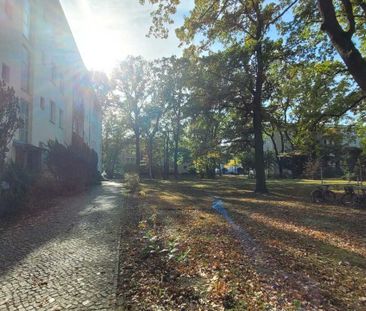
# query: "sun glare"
100,50
100,45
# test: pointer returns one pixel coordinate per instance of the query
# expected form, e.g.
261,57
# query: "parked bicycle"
323,195
351,198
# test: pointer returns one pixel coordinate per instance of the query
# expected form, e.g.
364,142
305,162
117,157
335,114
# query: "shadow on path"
64,256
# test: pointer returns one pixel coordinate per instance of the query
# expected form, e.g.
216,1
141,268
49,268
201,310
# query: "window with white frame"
52,111
24,116
5,73
53,73
26,18
61,118
42,103
25,69
62,83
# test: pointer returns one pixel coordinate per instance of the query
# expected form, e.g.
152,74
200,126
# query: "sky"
106,31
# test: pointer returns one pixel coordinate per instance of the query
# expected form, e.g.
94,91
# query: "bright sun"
99,49
99,45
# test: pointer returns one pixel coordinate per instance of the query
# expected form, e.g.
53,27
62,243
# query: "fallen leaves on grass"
184,256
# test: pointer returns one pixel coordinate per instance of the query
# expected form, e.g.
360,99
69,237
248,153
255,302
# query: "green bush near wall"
19,182
74,167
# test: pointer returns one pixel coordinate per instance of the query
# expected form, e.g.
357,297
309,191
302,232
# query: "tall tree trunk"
278,159
138,150
166,156
342,41
114,161
260,186
176,148
164,160
150,156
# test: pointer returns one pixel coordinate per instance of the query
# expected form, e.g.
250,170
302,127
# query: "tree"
10,120
114,140
169,100
319,94
344,23
131,83
205,142
150,123
177,95
230,23
322,28
102,88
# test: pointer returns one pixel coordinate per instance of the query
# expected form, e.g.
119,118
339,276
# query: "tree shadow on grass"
287,204
335,220
307,269
329,218
298,240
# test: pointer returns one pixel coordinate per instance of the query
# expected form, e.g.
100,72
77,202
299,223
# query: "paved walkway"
63,258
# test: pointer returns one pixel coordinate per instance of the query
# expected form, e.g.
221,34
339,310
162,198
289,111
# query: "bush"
350,176
130,168
44,188
74,167
312,169
19,182
132,182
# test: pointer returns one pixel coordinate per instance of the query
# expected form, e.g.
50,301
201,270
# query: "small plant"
172,249
183,257
152,243
132,182
297,304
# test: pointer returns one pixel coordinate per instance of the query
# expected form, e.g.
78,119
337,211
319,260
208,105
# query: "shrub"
43,189
132,182
19,181
130,168
74,167
350,176
312,169
9,120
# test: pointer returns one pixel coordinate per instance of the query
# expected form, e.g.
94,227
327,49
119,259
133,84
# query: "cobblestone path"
63,258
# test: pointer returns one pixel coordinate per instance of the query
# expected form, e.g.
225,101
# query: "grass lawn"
272,252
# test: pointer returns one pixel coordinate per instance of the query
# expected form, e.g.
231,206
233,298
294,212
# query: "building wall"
58,79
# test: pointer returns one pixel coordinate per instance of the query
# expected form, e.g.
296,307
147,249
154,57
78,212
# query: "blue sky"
107,31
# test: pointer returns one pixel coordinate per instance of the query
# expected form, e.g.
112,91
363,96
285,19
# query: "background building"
40,60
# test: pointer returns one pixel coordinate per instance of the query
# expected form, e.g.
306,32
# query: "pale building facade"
40,60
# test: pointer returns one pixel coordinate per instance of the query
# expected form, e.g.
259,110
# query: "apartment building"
40,60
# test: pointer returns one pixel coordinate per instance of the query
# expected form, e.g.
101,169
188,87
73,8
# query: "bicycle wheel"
317,196
329,196
348,199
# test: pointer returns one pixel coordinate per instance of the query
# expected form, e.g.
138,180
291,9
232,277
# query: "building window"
26,18
52,111
61,119
24,115
53,73
44,58
5,73
42,103
62,86
25,66
8,8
